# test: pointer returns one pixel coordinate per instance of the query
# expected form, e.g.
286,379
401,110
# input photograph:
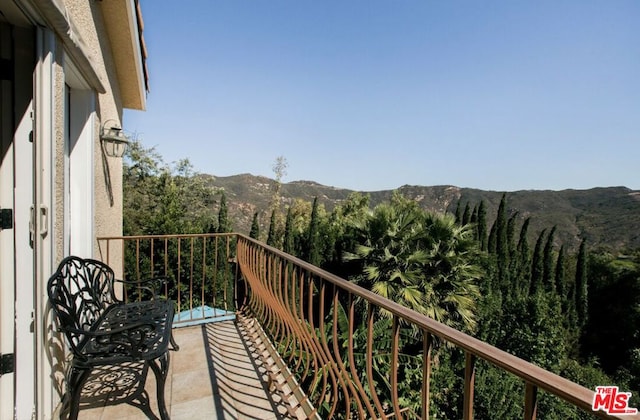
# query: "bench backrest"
79,291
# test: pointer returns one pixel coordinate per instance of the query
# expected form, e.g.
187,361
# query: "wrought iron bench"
103,330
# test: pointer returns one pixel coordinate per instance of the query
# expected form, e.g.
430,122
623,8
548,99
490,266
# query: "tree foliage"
574,314
163,199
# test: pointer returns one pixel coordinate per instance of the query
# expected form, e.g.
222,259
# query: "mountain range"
606,217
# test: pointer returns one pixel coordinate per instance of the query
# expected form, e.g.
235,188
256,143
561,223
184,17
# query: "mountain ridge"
607,217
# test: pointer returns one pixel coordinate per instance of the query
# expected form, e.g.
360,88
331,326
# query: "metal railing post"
469,385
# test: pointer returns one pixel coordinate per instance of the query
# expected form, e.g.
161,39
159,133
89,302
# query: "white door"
17,385
24,234
24,228
7,295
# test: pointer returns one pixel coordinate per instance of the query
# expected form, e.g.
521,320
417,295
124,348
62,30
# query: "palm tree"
424,262
451,272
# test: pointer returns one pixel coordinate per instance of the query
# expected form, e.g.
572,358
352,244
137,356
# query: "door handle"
32,226
44,220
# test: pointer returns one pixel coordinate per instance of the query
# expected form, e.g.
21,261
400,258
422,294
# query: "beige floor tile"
91,413
191,357
191,385
204,408
188,336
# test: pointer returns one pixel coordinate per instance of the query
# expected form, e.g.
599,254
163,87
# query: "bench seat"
135,331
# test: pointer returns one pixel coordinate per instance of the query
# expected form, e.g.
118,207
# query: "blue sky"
375,94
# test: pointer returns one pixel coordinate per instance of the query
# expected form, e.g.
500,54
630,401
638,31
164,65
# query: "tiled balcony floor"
216,374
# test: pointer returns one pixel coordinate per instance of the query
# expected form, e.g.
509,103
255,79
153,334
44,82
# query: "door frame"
46,89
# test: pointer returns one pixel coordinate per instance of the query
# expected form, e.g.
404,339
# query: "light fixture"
114,141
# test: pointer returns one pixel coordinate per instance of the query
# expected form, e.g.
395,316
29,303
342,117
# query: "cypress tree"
482,226
523,241
255,227
501,231
458,213
313,236
223,227
581,286
524,257
547,267
223,217
571,315
510,270
271,236
502,246
288,242
466,216
474,215
491,242
561,281
211,227
537,266
511,229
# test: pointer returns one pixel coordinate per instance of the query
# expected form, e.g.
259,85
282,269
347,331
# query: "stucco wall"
88,20
58,157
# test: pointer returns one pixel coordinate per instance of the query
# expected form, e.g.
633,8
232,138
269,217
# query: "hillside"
607,217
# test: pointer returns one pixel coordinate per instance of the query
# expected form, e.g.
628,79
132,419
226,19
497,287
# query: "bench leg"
174,345
160,367
75,382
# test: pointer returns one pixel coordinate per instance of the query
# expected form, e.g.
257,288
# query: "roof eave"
123,21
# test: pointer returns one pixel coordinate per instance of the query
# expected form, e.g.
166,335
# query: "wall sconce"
114,141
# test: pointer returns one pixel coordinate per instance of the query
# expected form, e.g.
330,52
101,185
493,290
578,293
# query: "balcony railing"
337,349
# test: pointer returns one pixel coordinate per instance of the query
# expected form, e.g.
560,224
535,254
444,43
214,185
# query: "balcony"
265,335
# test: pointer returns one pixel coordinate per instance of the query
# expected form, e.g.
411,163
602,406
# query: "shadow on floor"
239,381
113,385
